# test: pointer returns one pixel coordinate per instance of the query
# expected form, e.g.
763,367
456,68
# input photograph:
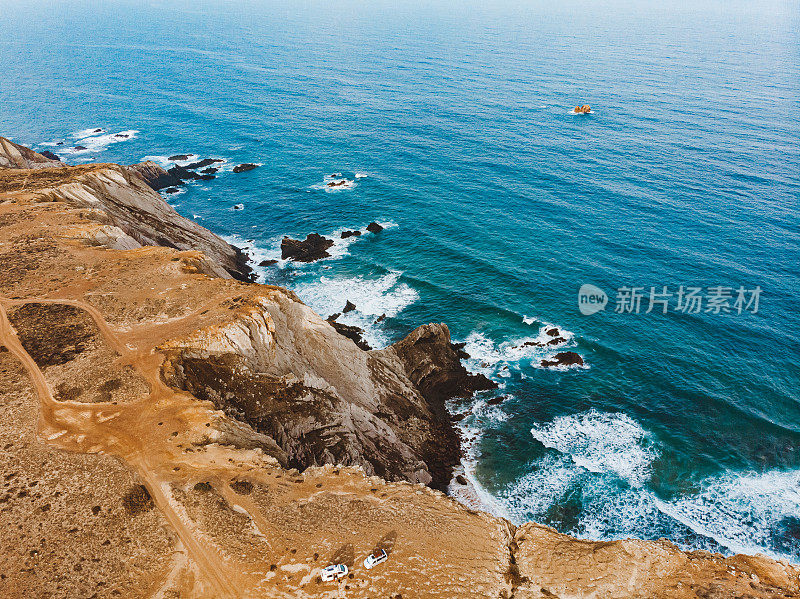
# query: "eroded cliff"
156,413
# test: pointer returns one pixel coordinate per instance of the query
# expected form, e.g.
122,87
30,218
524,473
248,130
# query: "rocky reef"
171,429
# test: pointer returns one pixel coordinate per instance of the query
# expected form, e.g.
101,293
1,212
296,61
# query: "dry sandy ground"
113,484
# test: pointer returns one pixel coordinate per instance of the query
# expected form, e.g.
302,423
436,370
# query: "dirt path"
131,431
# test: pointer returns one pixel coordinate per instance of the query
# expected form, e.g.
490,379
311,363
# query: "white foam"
529,319
341,183
601,442
740,511
362,175
95,143
373,297
491,358
530,496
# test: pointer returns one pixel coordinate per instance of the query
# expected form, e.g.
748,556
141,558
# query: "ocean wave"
744,512
495,359
372,297
93,141
602,442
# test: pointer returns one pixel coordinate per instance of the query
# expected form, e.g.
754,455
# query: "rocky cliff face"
155,414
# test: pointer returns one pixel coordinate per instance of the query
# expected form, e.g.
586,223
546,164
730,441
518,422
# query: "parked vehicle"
334,572
373,559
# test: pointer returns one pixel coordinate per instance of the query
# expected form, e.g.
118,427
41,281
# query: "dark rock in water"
348,307
97,131
180,157
566,358
557,341
333,316
267,262
205,177
61,143
458,417
459,348
552,332
461,480
497,400
155,176
380,318
182,174
171,190
355,334
239,207
202,163
210,170
80,148
50,155
340,183
243,168
346,234
374,227
121,135
313,248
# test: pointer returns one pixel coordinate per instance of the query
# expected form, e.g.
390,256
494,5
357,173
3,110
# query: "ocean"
451,125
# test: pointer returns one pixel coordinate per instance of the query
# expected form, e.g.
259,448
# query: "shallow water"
501,205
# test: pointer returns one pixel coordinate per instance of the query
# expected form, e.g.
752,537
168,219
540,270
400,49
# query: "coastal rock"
171,190
210,170
267,262
348,307
313,247
16,156
238,207
585,109
380,318
374,227
461,480
202,163
346,234
80,148
495,401
178,157
243,168
567,358
554,332
152,174
182,174
50,155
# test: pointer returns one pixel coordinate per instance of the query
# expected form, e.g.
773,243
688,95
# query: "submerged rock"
313,247
243,168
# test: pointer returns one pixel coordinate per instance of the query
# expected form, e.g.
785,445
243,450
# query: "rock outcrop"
16,156
154,175
313,247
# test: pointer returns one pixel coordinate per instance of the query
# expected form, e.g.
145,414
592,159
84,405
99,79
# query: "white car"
373,559
334,572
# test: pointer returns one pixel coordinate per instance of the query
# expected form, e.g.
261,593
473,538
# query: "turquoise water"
499,205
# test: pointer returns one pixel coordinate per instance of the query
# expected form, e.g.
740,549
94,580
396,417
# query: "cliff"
170,429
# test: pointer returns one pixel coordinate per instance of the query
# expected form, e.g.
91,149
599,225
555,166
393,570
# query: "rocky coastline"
171,428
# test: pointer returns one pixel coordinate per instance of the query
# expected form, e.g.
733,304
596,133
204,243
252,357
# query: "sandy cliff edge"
157,413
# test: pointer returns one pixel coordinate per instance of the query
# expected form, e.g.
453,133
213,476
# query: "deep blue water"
501,205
